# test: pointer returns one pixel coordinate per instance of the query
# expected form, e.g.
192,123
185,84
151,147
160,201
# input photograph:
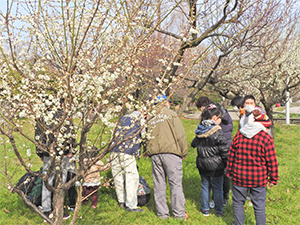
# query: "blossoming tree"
66,65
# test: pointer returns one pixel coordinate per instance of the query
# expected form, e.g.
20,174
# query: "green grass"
282,200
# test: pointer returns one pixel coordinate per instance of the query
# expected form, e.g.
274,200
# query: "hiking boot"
135,210
205,212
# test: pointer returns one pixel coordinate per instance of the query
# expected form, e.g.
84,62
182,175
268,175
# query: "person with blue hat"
167,149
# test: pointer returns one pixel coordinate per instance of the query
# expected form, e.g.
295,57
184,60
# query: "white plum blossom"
22,114
194,31
28,152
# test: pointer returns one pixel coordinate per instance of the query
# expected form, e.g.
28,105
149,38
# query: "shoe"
122,205
71,209
163,218
66,216
225,202
135,210
186,216
219,214
94,207
212,204
183,218
49,215
205,212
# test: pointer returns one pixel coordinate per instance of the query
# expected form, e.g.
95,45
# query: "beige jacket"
93,177
168,135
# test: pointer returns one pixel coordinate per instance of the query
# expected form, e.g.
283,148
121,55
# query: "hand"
106,185
270,185
256,112
183,158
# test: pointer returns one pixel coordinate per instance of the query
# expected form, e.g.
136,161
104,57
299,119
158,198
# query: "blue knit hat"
160,98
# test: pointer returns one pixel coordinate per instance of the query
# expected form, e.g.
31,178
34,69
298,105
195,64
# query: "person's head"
237,102
202,102
163,99
249,103
212,112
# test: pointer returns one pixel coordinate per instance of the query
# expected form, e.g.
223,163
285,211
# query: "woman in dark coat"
212,156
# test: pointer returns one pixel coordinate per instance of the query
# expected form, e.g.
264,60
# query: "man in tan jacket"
167,149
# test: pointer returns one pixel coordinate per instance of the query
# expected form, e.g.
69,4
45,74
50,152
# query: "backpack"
26,183
143,187
143,192
35,195
31,186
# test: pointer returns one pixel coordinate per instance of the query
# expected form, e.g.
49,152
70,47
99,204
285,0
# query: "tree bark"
58,206
269,112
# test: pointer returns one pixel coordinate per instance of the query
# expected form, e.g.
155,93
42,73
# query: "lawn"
283,203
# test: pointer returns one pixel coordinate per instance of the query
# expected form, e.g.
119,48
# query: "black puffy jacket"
212,150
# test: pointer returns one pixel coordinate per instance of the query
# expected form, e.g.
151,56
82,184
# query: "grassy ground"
282,201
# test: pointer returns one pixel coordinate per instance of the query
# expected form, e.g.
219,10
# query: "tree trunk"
189,99
58,206
269,112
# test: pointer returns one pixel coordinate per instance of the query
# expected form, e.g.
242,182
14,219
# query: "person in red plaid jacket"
252,164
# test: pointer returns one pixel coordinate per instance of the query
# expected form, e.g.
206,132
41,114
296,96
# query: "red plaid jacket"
252,162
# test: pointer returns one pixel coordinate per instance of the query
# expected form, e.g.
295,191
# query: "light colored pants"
46,194
126,178
163,166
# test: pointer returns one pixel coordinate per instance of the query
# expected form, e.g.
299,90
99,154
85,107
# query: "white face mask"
235,108
249,108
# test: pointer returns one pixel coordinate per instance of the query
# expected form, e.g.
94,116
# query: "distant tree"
250,27
268,64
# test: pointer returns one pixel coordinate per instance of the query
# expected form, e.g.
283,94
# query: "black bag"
26,183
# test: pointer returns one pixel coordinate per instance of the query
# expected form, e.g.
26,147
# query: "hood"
203,131
251,129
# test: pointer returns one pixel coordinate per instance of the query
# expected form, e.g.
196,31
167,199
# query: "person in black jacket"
227,128
212,156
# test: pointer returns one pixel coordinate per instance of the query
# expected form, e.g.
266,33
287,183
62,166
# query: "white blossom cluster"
76,67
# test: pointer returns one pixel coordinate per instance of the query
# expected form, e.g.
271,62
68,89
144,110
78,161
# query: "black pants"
226,187
72,193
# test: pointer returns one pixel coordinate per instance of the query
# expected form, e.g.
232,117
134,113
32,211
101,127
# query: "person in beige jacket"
167,149
92,181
